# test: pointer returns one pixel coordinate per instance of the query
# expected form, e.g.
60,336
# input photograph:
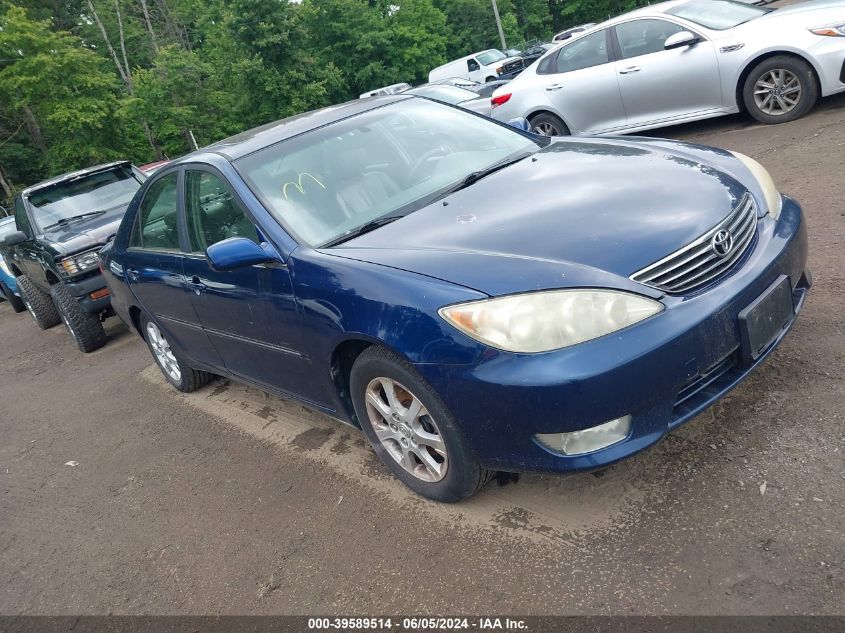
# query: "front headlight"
774,202
544,321
837,30
80,263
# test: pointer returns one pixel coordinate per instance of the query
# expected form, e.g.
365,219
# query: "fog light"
587,440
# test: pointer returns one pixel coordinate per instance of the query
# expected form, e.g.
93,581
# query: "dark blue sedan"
475,298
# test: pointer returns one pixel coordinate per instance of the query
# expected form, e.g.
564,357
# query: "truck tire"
14,301
39,304
85,329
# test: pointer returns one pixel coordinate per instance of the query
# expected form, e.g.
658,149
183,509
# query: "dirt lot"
232,501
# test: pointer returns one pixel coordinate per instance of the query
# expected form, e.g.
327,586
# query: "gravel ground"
231,501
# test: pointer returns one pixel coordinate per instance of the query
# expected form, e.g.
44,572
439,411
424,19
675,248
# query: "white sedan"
682,61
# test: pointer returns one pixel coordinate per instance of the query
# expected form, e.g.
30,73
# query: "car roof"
73,175
250,141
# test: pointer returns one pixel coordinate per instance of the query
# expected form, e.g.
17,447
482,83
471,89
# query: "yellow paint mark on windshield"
298,184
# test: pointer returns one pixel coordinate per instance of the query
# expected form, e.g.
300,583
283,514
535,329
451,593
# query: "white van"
481,67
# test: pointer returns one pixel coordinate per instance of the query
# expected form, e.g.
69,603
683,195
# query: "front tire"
411,430
17,305
547,124
39,304
85,329
175,369
780,89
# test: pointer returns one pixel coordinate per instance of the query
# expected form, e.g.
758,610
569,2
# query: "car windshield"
446,94
718,15
386,162
98,192
489,57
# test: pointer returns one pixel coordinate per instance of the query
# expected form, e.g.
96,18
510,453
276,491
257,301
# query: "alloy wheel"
546,129
777,92
162,352
406,429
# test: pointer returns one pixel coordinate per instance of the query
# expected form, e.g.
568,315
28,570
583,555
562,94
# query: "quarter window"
213,214
157,217
585,52
642,37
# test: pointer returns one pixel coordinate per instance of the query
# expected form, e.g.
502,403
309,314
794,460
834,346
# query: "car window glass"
213,214
585,52
156,226
389,160
641,37
472,65
21,219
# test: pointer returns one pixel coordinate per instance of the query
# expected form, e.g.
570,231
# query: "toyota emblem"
722,243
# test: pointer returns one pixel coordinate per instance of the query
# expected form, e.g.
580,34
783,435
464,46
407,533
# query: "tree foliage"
85,81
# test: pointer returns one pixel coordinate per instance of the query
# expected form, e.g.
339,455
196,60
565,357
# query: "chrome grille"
697,263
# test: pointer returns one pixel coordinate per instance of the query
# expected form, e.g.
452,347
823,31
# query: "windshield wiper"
73,218
475,176
372,225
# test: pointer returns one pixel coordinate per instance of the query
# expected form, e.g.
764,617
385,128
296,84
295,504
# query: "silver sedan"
682,61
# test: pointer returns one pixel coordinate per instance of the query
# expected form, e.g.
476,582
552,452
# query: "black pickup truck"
62,224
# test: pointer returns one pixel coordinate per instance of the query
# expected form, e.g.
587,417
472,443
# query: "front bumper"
82,290
662,371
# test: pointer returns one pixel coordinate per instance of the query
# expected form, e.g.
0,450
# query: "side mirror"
239,252
18,237
520,123
679,40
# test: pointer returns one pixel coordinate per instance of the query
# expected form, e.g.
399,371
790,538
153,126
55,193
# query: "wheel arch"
342,358
135,317
546,110
753,62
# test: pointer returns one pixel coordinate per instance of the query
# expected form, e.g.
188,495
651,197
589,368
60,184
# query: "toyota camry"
476,298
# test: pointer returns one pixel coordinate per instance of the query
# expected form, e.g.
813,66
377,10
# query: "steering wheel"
440,150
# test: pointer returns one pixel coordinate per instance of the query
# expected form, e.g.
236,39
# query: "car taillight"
497,101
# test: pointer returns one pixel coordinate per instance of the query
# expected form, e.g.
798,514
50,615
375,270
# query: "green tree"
61,91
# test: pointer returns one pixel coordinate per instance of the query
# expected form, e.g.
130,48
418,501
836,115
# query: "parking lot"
230,501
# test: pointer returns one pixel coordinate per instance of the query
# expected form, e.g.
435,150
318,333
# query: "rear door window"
157,224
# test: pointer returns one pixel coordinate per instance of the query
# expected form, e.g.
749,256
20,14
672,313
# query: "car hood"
810,14
579,212
84,234
502,62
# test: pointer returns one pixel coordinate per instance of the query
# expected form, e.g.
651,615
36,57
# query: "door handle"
552,87
196,285
629,70
133,274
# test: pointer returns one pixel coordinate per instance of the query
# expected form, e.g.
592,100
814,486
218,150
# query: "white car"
569,33
483,66
387,90
682,61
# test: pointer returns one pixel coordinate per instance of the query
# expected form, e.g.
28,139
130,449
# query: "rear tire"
39,304
780,89
490,79
425,450
547,124
85,329
15,301
175,369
